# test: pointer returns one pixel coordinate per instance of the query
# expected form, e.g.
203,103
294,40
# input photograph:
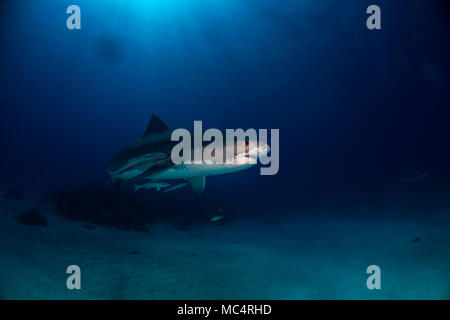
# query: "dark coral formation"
14,194
102,207
32,218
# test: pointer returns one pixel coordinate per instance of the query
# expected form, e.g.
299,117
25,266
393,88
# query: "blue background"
357,109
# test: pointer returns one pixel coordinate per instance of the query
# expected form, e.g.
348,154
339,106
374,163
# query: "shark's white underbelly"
195,170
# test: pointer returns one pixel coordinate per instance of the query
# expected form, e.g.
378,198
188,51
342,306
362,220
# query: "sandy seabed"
299,258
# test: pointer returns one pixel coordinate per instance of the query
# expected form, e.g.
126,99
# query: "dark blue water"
358,110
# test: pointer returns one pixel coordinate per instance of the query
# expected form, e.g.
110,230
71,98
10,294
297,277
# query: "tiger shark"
150,158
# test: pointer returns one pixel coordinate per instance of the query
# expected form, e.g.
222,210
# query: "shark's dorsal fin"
154,126
197,183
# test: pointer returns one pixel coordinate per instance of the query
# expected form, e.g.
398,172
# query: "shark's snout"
257,149
253,150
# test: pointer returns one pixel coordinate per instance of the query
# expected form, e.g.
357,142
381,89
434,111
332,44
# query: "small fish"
221,210
416,178
216,218
178,186
150,185
415,239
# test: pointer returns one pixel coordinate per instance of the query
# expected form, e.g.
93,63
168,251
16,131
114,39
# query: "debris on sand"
220,216
134,252
32,218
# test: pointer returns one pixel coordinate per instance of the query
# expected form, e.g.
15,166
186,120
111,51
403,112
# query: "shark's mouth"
244,158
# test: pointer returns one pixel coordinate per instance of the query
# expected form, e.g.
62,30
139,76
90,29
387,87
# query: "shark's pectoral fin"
198,184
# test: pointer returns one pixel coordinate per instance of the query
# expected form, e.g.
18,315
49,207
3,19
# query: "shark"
149,158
